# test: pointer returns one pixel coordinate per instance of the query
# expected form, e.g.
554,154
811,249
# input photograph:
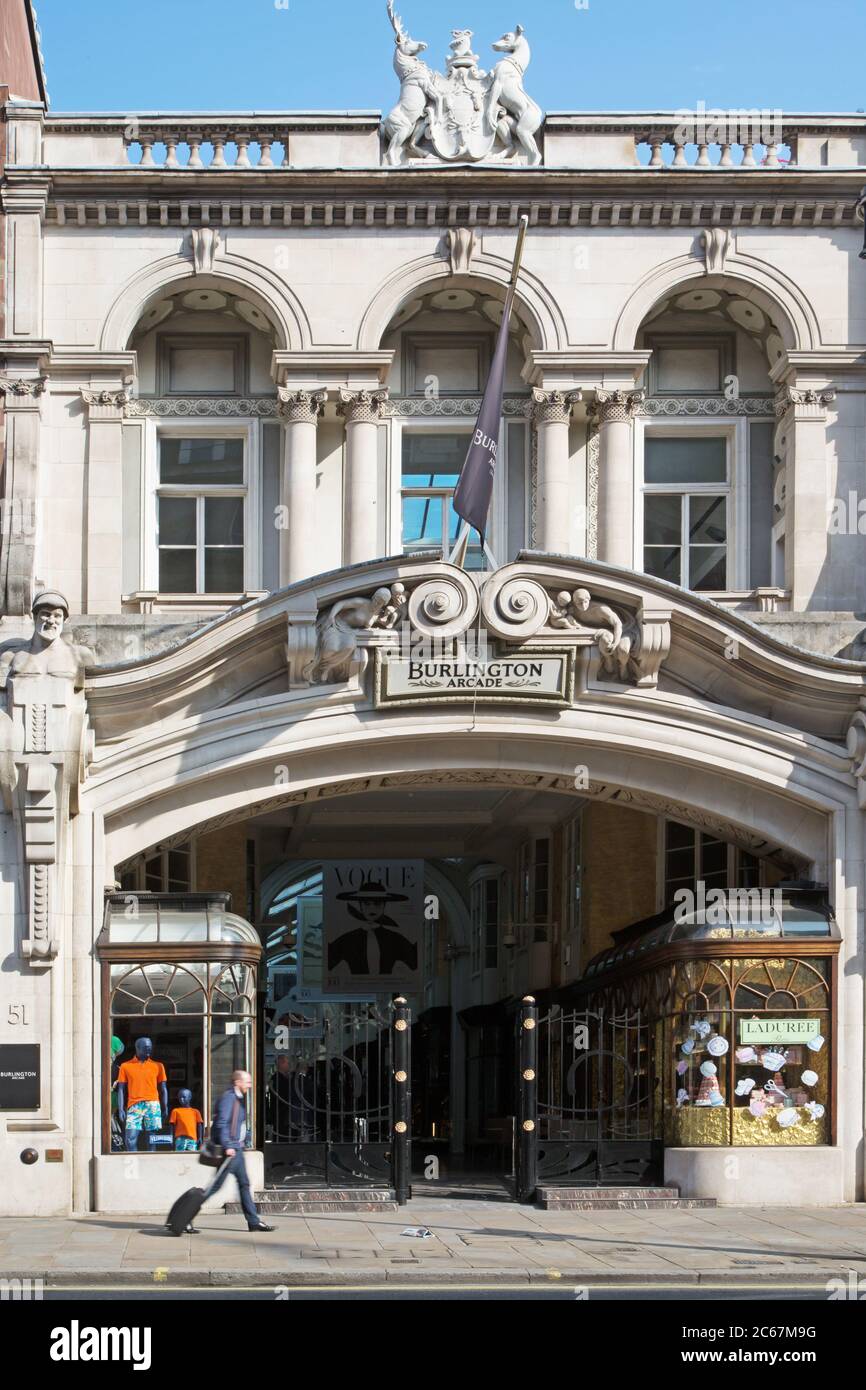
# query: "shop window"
741,1012
193,994
686,510
430,469
201,515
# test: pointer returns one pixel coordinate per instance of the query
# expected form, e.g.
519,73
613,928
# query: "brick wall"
220,864
619,872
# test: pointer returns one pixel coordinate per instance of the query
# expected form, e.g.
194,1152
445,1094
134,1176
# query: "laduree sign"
546,676
779,1030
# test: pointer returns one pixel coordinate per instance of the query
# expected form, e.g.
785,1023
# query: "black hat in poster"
376,947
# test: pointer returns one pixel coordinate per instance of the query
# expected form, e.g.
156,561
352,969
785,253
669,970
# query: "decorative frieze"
300,407
654,406
409,407
202,407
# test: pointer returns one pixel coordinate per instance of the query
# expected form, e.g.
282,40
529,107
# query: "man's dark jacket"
230,1114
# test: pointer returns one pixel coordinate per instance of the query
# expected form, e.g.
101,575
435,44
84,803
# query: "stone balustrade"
695,141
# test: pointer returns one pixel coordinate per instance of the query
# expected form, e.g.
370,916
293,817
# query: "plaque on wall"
20,1076
545,676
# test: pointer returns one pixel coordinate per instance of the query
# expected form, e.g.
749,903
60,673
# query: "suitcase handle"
213,1182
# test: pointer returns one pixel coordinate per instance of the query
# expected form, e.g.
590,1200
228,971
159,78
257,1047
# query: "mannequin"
187,1125
142,1095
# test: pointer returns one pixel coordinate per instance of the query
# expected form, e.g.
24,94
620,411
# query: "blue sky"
121,55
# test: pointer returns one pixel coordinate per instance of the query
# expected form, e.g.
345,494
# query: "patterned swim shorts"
144,1114
185,1145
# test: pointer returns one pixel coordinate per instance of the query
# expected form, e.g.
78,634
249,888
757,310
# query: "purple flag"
475,484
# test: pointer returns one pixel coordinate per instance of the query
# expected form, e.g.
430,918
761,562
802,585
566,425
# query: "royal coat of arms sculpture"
466,114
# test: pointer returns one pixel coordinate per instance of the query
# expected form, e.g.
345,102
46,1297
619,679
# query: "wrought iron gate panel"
595,1090
329,1107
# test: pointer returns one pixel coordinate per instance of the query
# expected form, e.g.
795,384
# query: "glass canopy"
173,919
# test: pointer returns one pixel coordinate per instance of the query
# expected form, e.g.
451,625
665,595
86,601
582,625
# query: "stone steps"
318,1201
616,1199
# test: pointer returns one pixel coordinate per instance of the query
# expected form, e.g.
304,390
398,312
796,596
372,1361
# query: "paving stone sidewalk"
472,1242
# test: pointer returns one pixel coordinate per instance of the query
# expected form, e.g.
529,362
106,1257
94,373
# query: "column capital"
615,407
23,392
300,407
553,407
362,407
808,402
105,404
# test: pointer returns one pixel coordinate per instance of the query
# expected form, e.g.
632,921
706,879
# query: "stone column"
807,549
21,492
299,411
103,553
552,412
362,410
615,411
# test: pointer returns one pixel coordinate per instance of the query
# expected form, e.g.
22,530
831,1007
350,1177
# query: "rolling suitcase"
189,1204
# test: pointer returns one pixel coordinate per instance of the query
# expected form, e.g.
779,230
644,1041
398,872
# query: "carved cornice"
183,407
655,406
300,407
615,407
553,407
203,206
362,407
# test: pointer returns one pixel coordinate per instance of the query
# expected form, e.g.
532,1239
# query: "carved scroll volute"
443,607
514,608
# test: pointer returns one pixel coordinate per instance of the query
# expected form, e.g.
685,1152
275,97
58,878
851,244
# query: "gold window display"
741,1006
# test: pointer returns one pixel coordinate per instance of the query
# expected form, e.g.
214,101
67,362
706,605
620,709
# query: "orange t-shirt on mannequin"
141,1079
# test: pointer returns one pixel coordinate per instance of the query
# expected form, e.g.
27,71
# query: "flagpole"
458,554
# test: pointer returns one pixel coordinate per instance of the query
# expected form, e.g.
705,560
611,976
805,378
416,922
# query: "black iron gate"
587,1089
337,1102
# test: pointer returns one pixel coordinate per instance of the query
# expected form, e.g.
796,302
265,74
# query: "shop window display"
176,1028
741,1012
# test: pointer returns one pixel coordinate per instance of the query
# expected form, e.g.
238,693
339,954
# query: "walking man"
229,1129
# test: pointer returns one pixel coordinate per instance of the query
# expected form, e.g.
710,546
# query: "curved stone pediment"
618,632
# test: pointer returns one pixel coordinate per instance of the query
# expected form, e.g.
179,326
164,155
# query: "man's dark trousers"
238,1169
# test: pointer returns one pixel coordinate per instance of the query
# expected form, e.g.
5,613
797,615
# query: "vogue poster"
373,919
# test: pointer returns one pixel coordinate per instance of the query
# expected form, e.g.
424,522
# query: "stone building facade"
243,356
